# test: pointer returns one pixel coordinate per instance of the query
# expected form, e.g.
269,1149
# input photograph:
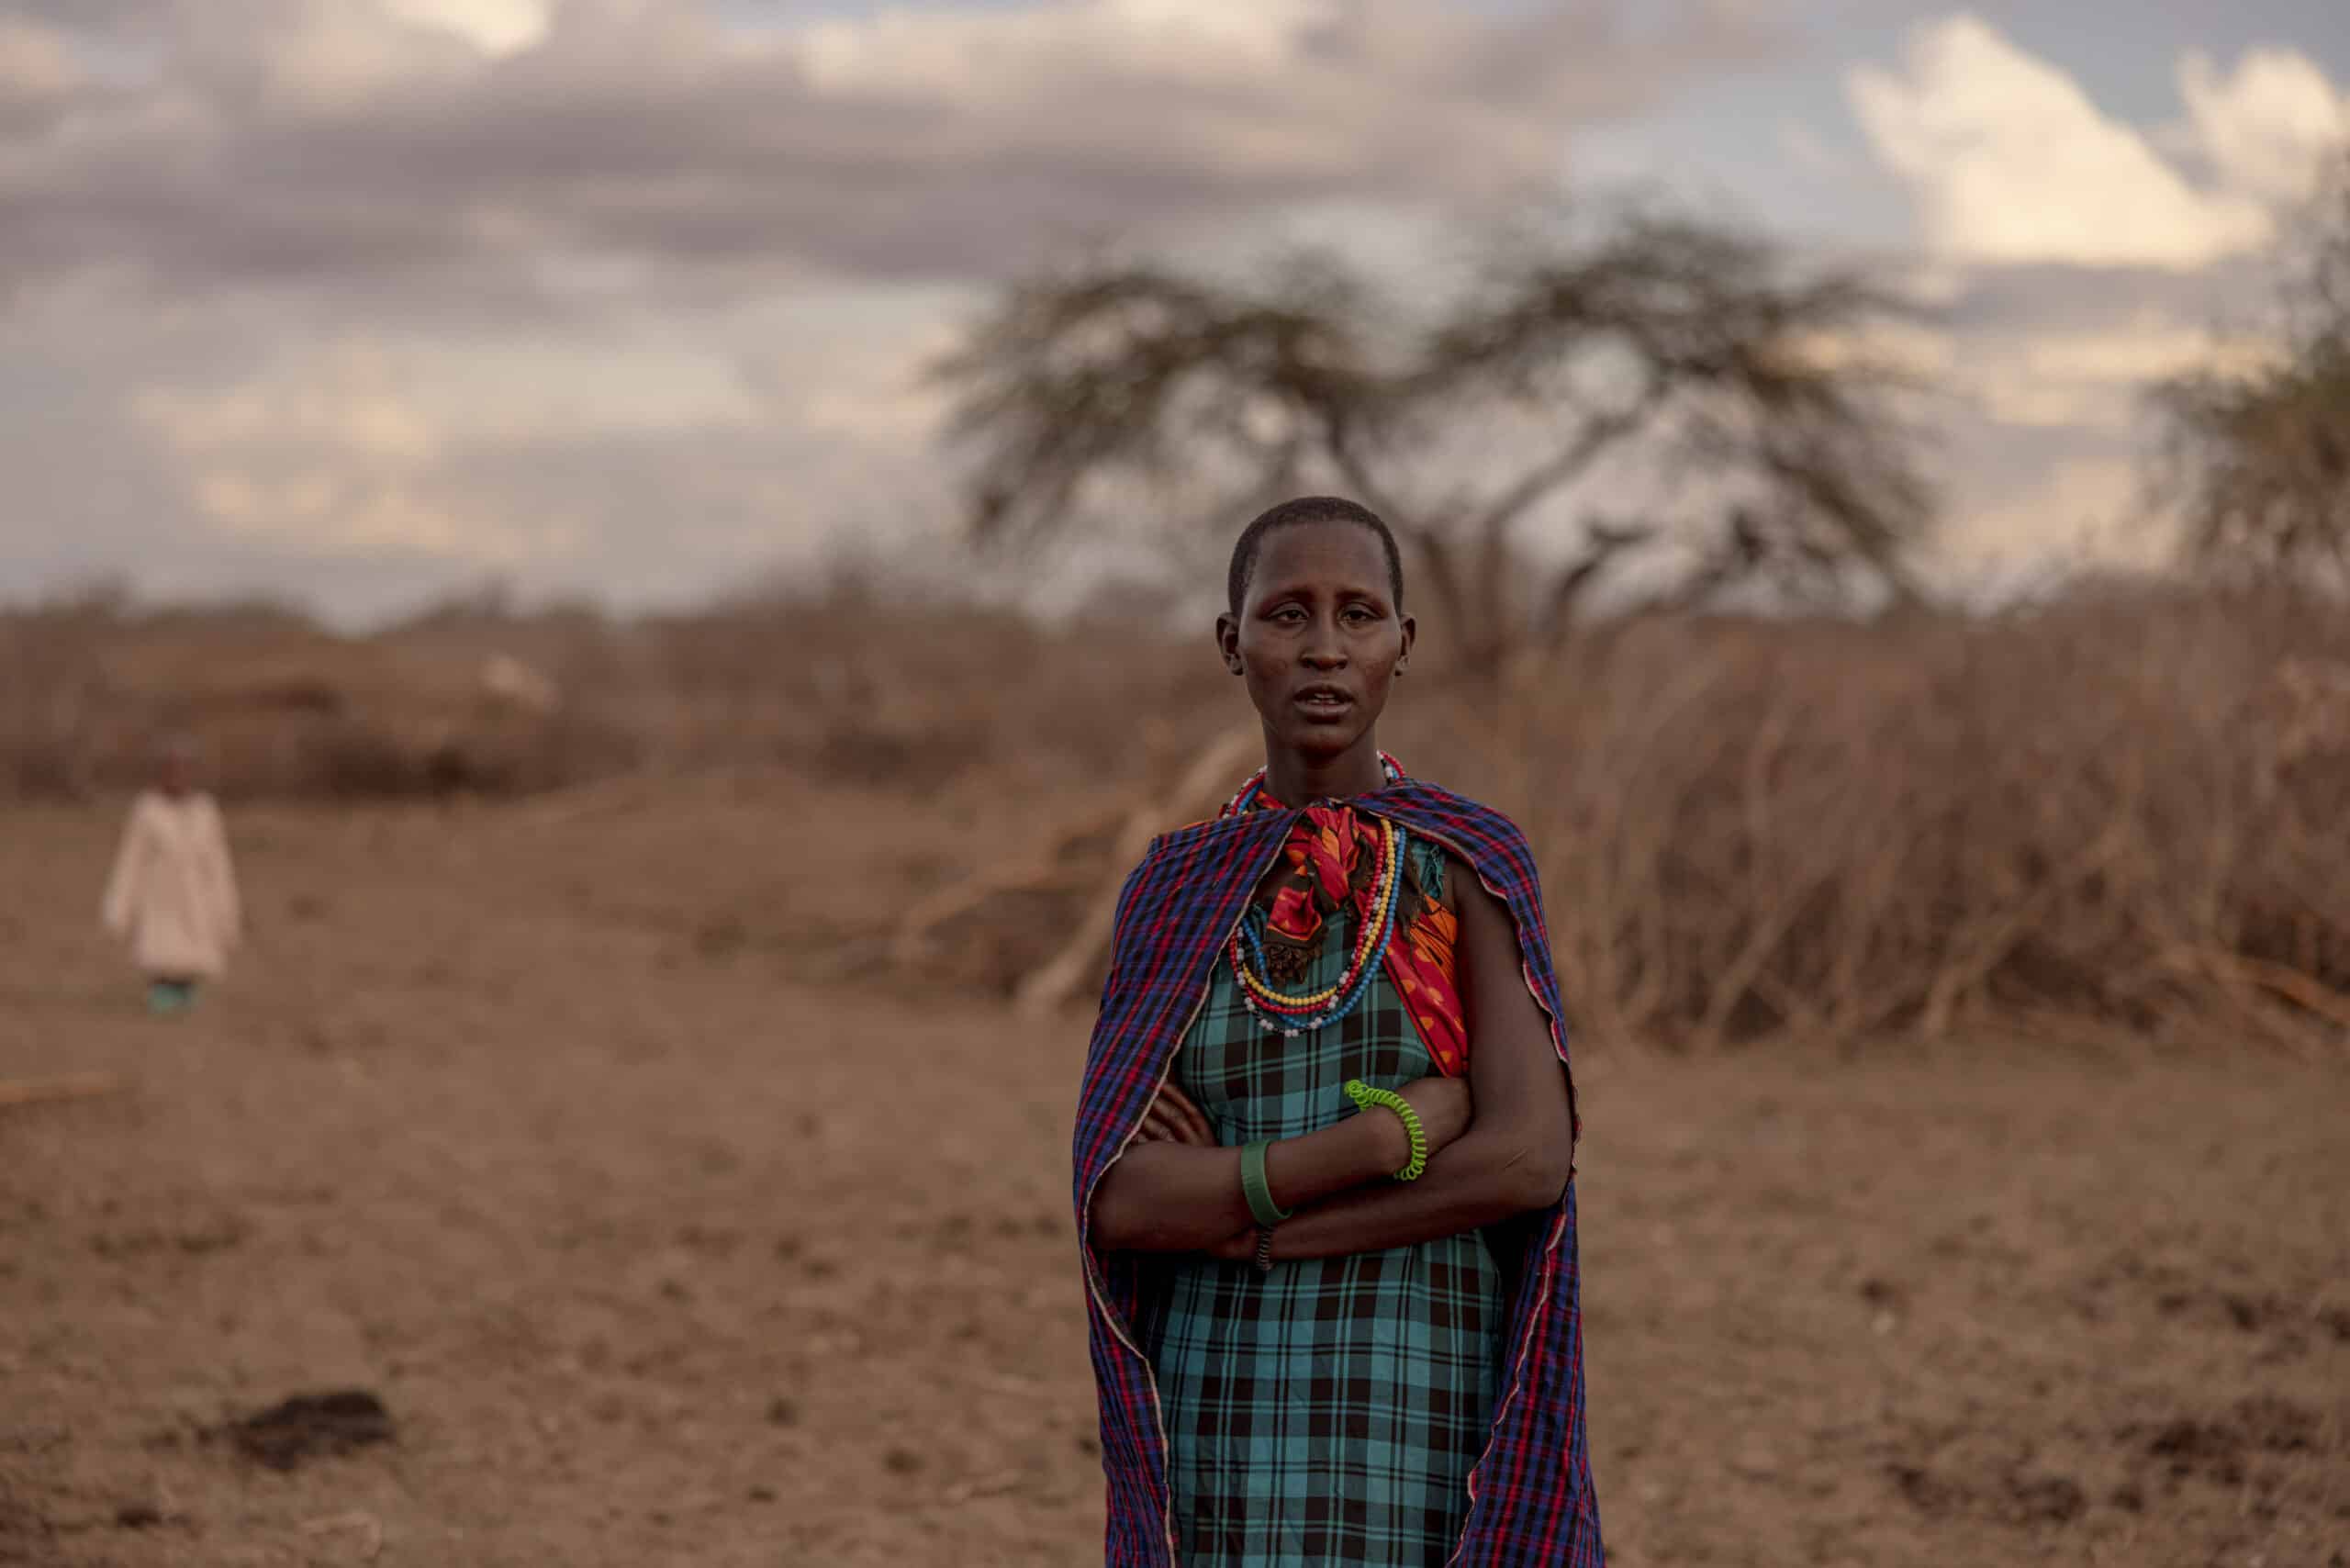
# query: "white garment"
174,893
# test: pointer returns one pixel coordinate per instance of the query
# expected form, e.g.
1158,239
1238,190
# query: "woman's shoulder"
1203,852
1185,844
1420,797
1477,836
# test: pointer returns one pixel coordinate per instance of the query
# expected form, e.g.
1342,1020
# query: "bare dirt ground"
669,1231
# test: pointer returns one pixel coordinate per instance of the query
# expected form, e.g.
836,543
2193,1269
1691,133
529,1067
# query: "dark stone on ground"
310,1425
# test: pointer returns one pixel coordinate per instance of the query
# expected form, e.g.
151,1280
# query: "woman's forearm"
1519,1149
1171,1197
1482,1178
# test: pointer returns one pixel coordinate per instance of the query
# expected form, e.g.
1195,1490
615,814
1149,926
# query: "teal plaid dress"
1329,1411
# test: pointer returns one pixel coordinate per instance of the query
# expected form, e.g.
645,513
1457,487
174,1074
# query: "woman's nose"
1325,650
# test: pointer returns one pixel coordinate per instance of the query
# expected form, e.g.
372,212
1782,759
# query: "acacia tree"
2257,457
1654,390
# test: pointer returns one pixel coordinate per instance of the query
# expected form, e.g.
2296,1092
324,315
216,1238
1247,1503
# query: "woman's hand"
1172,1118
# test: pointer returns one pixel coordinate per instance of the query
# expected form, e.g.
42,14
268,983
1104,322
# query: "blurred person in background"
172,895
1325,1136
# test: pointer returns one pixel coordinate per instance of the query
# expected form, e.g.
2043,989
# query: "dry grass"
2116,811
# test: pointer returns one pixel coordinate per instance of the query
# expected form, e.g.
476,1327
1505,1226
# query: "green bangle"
1365,1097
1256,1188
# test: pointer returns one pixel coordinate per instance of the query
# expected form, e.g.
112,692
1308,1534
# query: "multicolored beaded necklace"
1255,786
1292,1015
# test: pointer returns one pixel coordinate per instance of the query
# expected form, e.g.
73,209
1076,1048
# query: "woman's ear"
1228,643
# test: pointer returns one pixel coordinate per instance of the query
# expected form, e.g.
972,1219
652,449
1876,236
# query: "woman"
174,893
1325,1140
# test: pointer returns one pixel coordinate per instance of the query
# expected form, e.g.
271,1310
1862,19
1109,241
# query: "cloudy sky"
363,300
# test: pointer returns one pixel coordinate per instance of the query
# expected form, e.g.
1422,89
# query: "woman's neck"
1295,780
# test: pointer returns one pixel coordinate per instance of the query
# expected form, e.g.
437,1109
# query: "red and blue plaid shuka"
1531,1496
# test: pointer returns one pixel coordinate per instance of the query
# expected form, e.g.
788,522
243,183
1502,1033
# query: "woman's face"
1318,637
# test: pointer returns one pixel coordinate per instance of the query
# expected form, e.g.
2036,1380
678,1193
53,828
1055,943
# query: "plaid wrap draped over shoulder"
1531,1496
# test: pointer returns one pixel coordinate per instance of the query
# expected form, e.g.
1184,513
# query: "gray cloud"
295,295
308,140
2017,301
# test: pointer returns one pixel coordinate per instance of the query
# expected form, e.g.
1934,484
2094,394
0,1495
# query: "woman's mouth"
1323,702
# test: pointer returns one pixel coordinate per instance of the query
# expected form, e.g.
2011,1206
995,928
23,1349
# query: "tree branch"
1599,434
1339,440
1608,542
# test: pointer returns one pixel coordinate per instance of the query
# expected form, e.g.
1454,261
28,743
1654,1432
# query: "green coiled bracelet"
1365,1097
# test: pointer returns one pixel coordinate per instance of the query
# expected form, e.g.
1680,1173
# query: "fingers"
1172,1118
1187,1116
1172,1128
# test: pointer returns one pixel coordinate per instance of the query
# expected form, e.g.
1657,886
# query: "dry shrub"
53,705
2120,809
850,685
281,706
2117,809
862,687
